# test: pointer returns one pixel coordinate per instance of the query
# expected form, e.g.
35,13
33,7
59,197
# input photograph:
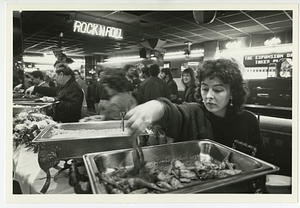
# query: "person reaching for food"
219,117
68,95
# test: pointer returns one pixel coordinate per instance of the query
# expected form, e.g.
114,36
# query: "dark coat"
152,88
70,97
99,93
189,94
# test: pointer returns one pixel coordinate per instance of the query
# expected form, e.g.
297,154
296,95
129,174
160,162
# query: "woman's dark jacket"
189,94
70,97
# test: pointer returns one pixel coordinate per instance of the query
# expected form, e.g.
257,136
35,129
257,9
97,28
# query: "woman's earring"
230,102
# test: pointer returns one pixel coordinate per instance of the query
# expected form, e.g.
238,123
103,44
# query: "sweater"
121,102
191,121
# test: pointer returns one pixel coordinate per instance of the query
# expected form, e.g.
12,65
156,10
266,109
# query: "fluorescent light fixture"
123,59
180,54
46,59
233,44
272,41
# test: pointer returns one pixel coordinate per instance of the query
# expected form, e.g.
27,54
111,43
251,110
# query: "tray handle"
244,147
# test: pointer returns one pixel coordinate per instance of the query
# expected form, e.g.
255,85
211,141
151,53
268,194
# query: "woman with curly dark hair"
220,116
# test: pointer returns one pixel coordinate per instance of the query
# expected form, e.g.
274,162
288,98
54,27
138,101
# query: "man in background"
37,79
129,71
153,87
167,76
80,81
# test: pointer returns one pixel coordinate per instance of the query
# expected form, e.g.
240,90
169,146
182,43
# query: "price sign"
265,59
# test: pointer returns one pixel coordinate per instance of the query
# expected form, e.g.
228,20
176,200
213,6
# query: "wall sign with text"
265,59
96,29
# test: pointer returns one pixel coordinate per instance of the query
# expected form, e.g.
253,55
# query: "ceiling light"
233,44
272,41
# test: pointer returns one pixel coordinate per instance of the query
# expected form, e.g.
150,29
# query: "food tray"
247,181
75,146
29,105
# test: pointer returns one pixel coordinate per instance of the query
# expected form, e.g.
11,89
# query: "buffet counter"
76,140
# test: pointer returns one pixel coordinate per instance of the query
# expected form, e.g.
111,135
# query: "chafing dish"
75,146
249,180
20,106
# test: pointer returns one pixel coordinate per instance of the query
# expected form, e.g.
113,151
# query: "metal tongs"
137,152
122,114
138,156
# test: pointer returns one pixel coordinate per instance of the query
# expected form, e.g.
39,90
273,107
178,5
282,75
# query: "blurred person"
153,87
99,94
136,80
166,75
25,82
145,72
114,82
18,77
89,97
49,81
96,97
189,81
68,95
136,83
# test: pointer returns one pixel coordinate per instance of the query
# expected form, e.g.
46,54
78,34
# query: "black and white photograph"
151,103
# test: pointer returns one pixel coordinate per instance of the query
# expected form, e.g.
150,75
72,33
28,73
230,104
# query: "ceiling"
41,29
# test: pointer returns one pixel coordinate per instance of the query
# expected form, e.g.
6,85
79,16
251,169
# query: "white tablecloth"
32,178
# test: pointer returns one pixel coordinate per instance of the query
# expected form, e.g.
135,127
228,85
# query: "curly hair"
228,71
115,79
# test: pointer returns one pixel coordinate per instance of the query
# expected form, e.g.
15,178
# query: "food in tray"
160,177
86,133
27,125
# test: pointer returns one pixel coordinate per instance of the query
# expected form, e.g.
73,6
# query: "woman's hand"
140,117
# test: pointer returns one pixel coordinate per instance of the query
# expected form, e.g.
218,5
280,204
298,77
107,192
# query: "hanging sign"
96,29
265,59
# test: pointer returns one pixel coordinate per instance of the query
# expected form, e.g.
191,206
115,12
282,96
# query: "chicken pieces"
152,179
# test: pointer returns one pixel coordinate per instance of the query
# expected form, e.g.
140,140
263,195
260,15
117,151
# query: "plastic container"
278,184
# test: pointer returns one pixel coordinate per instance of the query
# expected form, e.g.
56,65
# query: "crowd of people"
211,105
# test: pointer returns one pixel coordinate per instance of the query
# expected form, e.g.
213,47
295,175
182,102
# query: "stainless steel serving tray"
252,168
29,105
76,146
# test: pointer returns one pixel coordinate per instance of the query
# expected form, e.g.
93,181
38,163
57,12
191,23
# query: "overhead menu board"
265,59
